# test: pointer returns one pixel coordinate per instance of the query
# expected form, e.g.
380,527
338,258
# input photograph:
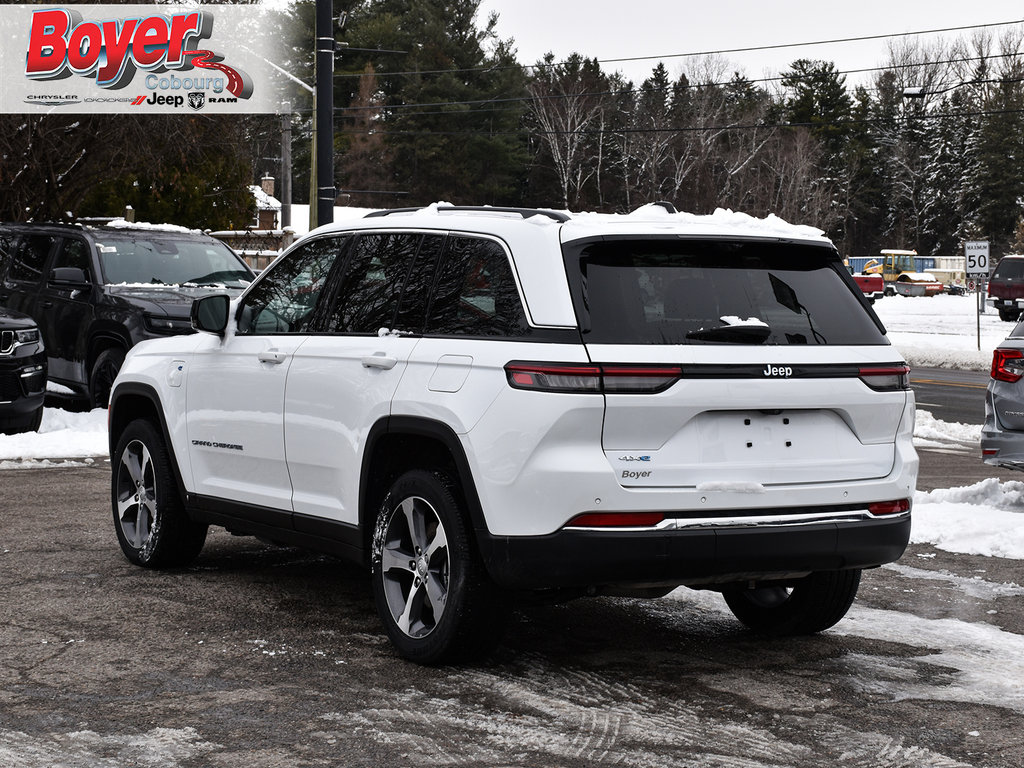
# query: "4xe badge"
197,100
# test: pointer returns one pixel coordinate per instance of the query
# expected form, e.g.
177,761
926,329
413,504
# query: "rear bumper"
1000,303
693,556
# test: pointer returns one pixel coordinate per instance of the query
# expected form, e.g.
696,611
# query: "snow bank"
930,432
62,434
982,519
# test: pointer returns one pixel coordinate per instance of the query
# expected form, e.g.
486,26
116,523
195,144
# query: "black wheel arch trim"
420,427
148,393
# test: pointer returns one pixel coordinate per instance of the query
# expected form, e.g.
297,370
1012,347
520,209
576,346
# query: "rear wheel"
431,590
811,605
1009,315
101,378
152,526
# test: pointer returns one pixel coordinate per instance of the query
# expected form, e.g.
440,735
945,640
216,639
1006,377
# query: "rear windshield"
1010,268
657,291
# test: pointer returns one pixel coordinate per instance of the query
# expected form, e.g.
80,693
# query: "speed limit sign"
976,252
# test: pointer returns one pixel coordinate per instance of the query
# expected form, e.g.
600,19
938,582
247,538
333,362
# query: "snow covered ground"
940,331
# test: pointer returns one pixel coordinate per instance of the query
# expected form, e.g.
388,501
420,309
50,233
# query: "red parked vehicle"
1006,288
873,286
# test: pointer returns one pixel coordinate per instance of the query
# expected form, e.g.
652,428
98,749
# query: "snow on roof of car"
722,222
654,218
125,224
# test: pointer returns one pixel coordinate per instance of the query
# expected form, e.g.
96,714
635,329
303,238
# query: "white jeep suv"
481,402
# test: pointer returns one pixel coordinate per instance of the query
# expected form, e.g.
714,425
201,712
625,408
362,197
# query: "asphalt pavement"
274,658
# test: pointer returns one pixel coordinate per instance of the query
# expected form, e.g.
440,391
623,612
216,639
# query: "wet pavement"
262,657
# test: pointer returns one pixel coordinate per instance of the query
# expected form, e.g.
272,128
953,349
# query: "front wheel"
28,423
101,378
152,526
429,585
811,605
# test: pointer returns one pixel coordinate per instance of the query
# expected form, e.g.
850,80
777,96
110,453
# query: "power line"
698,129
691,54
625,91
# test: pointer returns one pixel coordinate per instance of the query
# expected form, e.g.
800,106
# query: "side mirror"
70,277
210,313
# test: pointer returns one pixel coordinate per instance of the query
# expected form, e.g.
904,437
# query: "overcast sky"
606,30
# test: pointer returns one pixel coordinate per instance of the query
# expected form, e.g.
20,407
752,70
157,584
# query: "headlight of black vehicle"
27,336
167,325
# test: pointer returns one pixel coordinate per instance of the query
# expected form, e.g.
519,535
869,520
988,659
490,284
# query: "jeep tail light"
616,520
597,379
896,507
1007,365
554,377
638,379
890,378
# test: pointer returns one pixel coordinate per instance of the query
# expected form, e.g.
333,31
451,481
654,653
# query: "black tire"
150,520
29,423
813,604
1009,315
430,587
102,376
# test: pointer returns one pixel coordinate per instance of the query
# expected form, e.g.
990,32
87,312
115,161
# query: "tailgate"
723,425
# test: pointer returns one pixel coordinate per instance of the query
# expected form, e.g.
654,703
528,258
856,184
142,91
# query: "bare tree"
568,100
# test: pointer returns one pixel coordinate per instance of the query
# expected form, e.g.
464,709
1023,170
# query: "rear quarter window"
668,291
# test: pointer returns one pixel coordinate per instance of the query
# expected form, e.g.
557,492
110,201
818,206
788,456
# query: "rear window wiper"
735,331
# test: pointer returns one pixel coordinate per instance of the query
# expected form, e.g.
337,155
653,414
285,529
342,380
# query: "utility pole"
286,164
324,98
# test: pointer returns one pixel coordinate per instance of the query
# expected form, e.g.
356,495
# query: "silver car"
1002,437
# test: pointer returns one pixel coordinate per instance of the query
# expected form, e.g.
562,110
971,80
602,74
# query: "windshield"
661,291
146,259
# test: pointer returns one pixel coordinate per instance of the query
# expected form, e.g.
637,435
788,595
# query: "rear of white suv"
482,402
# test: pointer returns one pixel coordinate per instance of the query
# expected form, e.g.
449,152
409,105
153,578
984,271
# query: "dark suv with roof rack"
97,291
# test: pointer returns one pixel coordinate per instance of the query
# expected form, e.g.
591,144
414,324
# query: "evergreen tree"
451,115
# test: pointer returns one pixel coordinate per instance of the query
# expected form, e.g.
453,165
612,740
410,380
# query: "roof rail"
666,205
526,213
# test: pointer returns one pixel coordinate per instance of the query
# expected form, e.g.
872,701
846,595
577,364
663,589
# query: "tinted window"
1010,268
30,258
285,299
7,243
475,293
74,253
670,292
367,298
412,310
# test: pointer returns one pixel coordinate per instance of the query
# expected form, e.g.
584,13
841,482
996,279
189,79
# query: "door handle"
380,361
47,304
273,356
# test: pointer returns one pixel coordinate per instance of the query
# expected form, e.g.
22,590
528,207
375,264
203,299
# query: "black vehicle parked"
22,374
96,291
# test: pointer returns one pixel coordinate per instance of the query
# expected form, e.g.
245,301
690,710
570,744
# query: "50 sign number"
976,252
